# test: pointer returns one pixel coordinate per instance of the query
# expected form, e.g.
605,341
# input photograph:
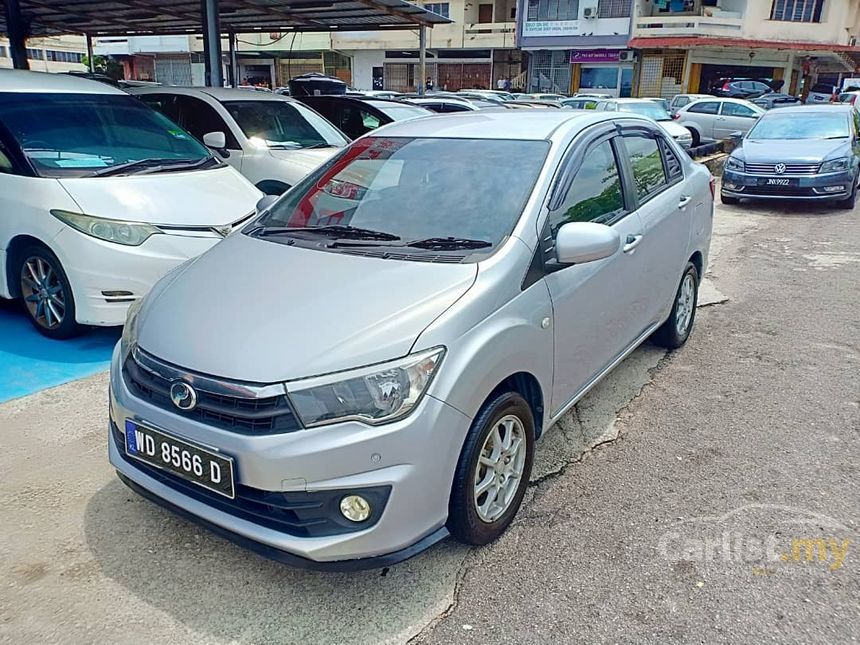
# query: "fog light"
355,508
834,189
732,186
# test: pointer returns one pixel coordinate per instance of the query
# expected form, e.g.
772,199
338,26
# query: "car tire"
46,292
849,202
476,513
729,201
673,333
696,138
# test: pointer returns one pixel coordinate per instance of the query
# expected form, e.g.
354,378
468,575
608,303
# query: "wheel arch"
698,262
14,248
526,385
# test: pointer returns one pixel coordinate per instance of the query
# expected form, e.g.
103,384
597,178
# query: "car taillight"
726,86
713,187
676,116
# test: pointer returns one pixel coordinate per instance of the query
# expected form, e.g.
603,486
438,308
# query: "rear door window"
646,162
199,118
736,109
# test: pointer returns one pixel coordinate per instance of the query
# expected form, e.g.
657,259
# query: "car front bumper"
415,458
106,277
811,187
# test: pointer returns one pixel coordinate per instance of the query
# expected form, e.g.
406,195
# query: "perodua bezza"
365,368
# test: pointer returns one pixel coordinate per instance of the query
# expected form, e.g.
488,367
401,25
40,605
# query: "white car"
271,139
100,196
444,105
653,110
716,118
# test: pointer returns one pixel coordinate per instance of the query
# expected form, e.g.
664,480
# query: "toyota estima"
100,196
413,315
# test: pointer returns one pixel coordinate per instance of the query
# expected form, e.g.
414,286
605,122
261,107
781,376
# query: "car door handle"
631,243
685,199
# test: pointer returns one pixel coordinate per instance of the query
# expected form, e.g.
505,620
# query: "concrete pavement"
727,422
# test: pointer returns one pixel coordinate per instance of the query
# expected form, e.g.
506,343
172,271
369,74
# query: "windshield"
416,194
646,108
814,125
76,135
284,124
398,111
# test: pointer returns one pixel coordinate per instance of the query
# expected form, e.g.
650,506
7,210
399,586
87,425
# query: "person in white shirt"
500,84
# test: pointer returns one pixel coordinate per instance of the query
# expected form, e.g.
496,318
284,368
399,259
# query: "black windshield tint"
418,189
72,135
814,125
283,123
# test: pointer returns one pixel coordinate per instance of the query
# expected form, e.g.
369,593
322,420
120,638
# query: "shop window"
797,10
599,78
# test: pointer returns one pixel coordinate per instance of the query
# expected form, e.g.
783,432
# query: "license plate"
193,463
771,181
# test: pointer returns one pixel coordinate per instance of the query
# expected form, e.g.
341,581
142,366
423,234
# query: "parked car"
849,97
99,197
663,103
652,110
775,100
357,116
482,96
740,88
821,93
717,118
803,152
444,105
500,95
540,105
580,103
444,308
593,95
553,98
680,100
271,139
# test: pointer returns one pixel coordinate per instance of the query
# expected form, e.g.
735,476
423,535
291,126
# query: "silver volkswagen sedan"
365,368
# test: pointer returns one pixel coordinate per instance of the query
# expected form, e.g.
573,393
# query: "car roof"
827,107
15,80
536,125
217,93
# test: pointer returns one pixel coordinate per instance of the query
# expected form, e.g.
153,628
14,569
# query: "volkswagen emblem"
183,396
779,168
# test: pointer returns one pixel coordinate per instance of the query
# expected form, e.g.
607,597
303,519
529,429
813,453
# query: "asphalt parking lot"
752,431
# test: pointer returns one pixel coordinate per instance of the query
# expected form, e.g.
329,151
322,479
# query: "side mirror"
580,242
737,135
266,202
215,140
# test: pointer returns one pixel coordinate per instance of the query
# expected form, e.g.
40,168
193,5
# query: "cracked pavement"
751,430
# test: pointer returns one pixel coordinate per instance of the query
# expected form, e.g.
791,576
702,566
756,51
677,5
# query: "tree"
104,65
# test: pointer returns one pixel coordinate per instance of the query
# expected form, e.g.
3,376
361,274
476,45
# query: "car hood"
259,311
213,197
305,160
792,151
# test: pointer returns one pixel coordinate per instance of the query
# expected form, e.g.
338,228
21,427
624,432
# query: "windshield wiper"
449,243
314,146
334,230
152,165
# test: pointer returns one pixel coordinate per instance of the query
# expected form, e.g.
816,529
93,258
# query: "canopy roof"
171,17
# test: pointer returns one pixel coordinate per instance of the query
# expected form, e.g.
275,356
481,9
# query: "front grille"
780,191
790,169
244,415
298,513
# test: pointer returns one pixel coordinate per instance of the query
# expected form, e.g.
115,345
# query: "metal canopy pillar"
212,42
422,60
234,66
91,64
18,30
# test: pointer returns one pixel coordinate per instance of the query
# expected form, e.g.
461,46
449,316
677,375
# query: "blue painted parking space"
29,362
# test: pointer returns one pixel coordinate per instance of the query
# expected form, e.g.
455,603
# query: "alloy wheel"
42,290
500,468
685,304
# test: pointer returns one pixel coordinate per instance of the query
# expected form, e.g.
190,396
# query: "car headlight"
733,163
129,330
109,230
836,165
374,395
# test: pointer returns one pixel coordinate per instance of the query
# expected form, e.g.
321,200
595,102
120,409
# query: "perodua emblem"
183,396
779,168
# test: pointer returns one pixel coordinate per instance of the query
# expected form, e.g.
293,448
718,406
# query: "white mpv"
99,197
